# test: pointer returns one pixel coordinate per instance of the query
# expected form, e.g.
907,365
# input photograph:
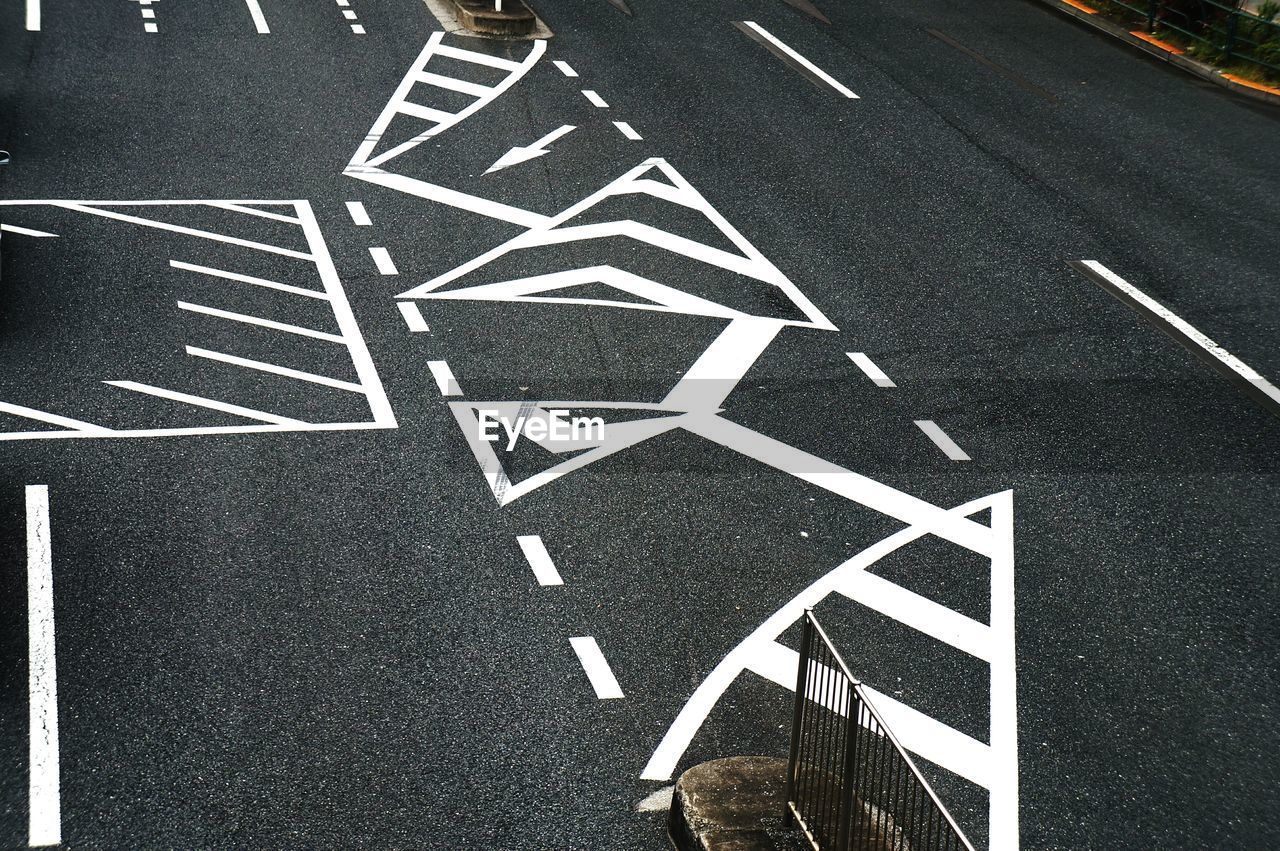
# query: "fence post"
797,716
1151,16
849,789
1231,36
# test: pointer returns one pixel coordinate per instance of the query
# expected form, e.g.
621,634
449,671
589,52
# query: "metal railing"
850,785
1221,32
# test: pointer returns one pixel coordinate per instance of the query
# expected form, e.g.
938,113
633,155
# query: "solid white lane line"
535,552
45,812
33,16
255,11
939,437
358,214
1186,333
247,279
383,260
358,29
800,60
202,402
594,98
413,316
284,371
265,323
444,378
870,369
24,231
597,668
565,68
627,131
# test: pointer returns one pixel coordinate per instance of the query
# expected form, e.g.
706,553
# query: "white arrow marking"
517,155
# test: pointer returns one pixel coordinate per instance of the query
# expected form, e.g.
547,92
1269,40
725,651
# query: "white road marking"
247,279
565,68
627,130
82,207
454,84
1187,331
520,153
813,69
358,214
535,552
148,14
265,323
263,366
358,29
344,2
151,27
594,98
252,211
945,443
444,378
45,801
255,11
33,16
658,801
349,14
382,258
202,402
450,197
870,369
413,316
52,419
597,668
24,231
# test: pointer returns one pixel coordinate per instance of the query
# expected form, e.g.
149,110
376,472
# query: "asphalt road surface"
265,585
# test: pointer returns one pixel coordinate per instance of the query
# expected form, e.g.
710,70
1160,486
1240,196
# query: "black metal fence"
1218,32
850,785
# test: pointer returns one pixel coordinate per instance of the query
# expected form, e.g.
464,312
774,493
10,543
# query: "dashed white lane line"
628,131
1183,331
383,261
45,798
255,11
150,27
359,215
33,16
870,369
148,14
597,668
444,378
594,98
358,29
412,316
349,14
535,552
939,437
565,69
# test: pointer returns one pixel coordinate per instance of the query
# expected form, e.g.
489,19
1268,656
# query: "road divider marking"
263,366
594,98
412,316
627,130
247,279
943,442
869,369
1226,364
359,215
44,776
383,261
202,402
597,668
259,22
565,68
535,552
444,378
265,323
815,75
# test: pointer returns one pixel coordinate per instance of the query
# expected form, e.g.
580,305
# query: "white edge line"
45,806
597,668
535,552
831,81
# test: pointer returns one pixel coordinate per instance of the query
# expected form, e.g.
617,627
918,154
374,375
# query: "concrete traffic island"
513,19
733,804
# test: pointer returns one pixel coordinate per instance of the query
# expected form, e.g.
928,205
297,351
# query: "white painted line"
24,231
444,378
201,402
383,260
813,69
255,11
265,323
252,211
939,437
412,316
247,279
358,214
594,98
535,552
344,2
284,371
358,29
658,801
148,14
453,84
53,419
33,16
627,131
1187,331
349,14
870,369
478,58
45,813
597,668
565,68
150,28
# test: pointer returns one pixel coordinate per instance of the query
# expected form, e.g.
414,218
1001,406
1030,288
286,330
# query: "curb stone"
515,19
1081,12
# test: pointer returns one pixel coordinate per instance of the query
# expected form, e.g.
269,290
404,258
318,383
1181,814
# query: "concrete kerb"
1081,12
